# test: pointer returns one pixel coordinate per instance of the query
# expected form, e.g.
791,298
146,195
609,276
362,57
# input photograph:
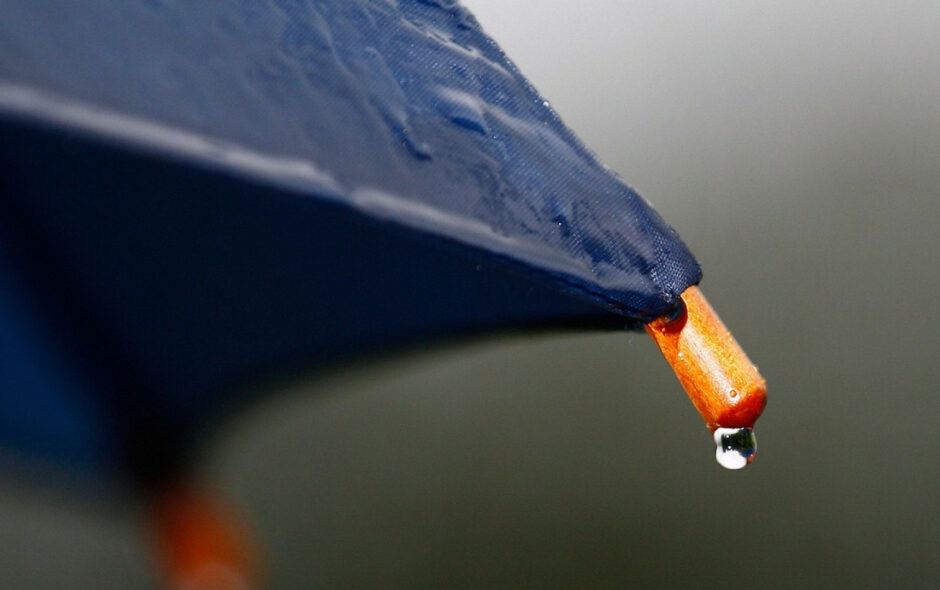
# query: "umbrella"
195,197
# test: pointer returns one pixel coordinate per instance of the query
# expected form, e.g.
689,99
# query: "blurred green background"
796,148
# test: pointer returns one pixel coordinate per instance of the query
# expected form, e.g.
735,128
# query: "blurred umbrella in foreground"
195,197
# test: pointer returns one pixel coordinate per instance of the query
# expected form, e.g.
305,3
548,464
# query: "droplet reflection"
736,447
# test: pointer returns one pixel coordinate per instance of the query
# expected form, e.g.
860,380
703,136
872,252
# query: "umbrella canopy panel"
199,194
172,288
404,110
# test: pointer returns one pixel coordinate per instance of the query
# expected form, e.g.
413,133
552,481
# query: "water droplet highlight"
736,447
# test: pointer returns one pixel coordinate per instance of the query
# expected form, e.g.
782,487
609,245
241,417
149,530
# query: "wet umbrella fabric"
198,196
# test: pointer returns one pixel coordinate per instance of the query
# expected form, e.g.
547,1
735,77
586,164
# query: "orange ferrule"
723,384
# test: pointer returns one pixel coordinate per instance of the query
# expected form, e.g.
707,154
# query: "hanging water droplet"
736,447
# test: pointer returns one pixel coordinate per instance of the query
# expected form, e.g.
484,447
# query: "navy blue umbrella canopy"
199,195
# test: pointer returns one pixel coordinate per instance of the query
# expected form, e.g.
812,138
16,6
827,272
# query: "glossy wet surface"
405,111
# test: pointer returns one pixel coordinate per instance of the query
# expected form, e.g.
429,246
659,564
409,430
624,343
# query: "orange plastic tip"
721,381
203,545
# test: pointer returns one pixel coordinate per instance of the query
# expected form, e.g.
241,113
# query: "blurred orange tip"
203,544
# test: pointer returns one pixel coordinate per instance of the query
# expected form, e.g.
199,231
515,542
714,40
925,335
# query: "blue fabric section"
173,302
405,110
205,194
